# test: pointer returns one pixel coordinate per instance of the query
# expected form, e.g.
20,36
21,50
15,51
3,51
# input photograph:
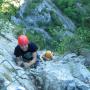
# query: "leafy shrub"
36,38
7,9
30,6
70,9
55,19
83,35
62,4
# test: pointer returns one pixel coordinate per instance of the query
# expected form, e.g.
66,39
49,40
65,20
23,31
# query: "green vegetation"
81,17
70,8
36,38
7,9
55,19
59,42
84,36
32,35
30,6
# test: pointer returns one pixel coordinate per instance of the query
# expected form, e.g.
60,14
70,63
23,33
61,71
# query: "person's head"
23,42
49,54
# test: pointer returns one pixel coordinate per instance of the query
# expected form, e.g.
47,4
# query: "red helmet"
23,40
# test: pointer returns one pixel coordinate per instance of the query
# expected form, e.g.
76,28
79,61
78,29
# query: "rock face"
67,74
41,15
2,86
62,73
13,76
35,18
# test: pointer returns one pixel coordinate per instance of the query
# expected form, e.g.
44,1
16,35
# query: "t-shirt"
26,55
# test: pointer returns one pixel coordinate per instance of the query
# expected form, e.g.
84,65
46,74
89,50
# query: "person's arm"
18,60
45,58
33,61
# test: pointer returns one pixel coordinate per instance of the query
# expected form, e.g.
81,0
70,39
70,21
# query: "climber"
26,52
47,56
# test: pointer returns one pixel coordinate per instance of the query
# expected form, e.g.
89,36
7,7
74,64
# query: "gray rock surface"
62,73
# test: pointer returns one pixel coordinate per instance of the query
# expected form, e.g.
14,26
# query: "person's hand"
19,63
26,65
